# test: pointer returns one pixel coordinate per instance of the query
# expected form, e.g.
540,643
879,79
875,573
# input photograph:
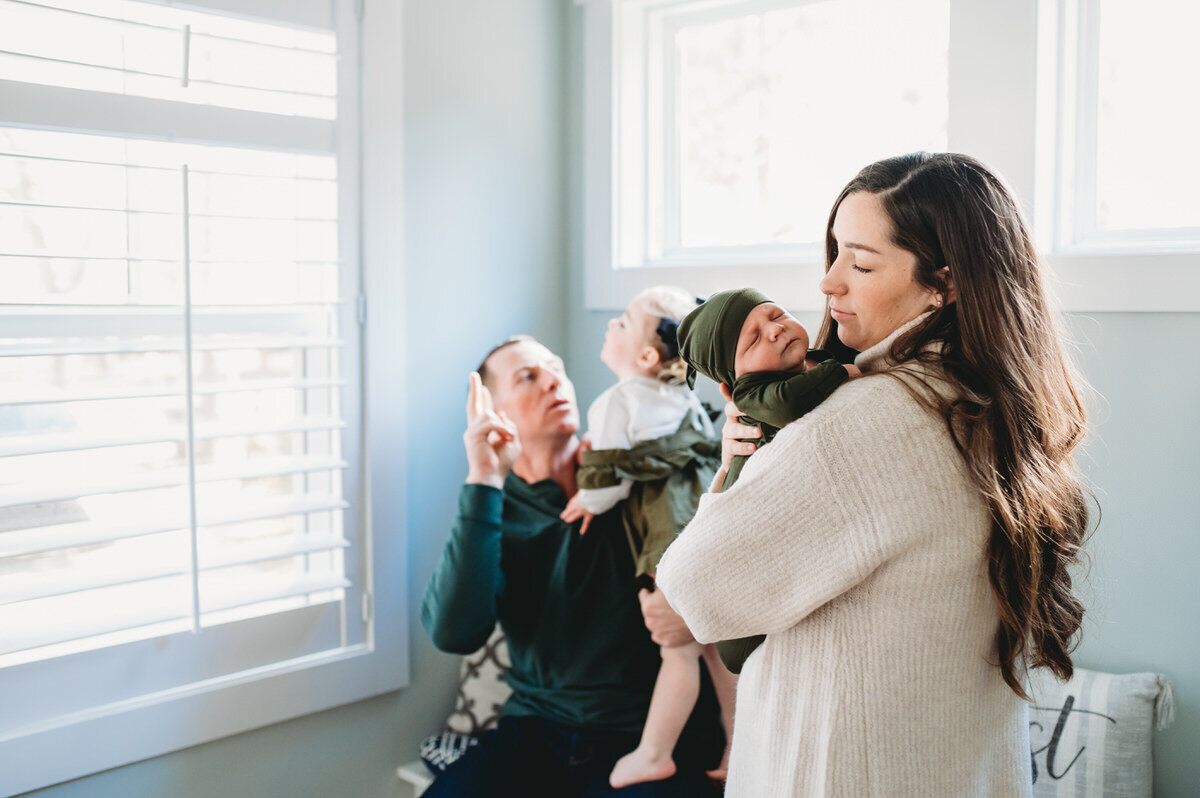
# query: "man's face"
528,383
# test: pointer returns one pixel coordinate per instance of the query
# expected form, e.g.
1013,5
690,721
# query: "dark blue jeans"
529,757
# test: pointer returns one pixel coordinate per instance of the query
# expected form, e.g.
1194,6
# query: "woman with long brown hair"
906,546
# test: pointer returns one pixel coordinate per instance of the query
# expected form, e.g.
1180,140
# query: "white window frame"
649,220
1072,32
129,718
1020,125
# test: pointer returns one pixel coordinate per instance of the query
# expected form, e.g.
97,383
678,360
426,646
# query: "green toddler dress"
669,475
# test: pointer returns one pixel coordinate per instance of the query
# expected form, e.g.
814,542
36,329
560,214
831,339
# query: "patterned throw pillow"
481,688
1092,736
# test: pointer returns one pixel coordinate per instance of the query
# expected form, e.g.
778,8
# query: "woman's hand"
665,625
491,438
732,431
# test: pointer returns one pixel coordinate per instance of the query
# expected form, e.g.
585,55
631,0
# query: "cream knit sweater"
856,543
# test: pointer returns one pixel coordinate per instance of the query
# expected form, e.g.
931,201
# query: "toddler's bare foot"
640,765
722,771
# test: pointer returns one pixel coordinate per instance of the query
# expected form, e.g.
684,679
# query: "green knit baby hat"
708,335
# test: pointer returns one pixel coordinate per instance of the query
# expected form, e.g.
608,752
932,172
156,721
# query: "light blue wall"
1144,462
484,223
484,151
1143,458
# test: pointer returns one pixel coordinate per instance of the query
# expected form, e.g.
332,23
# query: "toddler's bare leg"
675,694
725,686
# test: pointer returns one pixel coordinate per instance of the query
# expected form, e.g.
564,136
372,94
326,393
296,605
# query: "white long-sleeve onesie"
636,409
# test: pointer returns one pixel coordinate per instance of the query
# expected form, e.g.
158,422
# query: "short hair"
482,368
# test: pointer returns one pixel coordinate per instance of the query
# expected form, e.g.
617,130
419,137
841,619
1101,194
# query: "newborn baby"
760,353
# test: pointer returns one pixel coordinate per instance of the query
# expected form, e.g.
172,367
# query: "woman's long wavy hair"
1018,414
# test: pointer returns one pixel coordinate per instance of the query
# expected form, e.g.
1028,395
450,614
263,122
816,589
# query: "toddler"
759,353
653,449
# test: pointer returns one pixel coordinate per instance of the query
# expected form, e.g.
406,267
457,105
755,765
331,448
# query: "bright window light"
775,111
1148,121
127,47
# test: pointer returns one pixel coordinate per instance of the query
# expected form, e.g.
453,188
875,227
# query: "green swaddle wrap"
770,400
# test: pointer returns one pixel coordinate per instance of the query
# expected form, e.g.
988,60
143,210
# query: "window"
1124,133
181,545
726,150
142,383
748,158
718,133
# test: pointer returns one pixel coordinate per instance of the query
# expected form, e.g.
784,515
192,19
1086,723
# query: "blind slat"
313,14
23,634
165,477
34,586
132,347
31,105
71,442
124,70
318,14
81,307
83,533
131,258
41,397
169,213
152,329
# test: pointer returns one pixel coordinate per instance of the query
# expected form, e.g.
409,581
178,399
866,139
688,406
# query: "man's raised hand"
491,438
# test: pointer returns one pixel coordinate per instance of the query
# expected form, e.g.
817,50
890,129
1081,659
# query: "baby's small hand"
853,370
575,511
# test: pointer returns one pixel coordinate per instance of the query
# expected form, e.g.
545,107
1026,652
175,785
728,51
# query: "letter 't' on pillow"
1092,736
482,689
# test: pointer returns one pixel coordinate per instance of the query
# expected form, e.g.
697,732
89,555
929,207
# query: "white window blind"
137,48
178,354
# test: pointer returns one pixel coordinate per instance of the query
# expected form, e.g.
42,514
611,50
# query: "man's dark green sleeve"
459,608
779,399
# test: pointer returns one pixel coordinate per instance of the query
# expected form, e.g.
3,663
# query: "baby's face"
771,340
627,338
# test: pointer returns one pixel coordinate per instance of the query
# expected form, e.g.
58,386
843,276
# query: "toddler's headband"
668,331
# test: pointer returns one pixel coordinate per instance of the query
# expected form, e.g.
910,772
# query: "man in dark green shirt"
583,663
